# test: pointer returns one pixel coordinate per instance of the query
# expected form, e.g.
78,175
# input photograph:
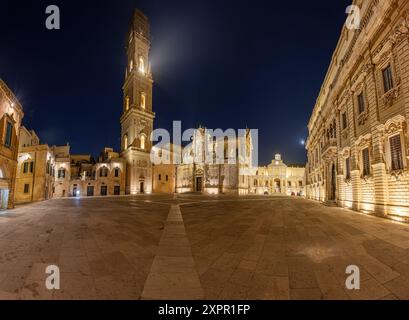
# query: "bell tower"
137,117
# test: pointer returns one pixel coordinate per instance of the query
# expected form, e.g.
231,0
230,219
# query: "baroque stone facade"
278,178
11,115
35,170
201,172
358,139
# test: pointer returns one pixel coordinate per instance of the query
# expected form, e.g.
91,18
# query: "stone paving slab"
173,275
303,244
199,247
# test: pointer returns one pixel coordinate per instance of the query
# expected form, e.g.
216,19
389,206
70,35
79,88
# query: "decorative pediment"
358,81
363,141
390,97
346,152
363,117
395,125
382,52
400,32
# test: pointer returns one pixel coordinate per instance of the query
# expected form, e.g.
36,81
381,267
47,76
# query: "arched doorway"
333,191
4,190
277,186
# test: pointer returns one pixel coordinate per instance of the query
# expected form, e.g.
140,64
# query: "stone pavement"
194,247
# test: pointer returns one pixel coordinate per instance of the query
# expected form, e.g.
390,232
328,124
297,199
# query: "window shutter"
396,153
366,162
348,168
387,79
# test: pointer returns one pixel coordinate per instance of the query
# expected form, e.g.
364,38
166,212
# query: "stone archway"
333,183
277,185
4,189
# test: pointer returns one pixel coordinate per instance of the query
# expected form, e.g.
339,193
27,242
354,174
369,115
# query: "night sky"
219,63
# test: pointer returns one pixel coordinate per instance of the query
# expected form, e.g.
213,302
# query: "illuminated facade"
104,177
278,178
228,175
137,118
11,115
35,170
164,171
358,138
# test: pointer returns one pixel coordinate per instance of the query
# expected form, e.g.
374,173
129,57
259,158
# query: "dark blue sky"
219,63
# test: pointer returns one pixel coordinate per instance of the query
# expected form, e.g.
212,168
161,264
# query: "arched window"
116,172
141,65
127,103
143,140
143,100
103,172
126,141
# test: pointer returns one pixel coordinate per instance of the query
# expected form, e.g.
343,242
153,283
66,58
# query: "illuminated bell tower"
137,118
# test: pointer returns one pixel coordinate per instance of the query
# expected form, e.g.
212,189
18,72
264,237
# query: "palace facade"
278,178
11,115
358,143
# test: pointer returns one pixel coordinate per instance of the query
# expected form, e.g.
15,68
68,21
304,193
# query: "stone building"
358,137
11,115
214,165
104,177
164,169
35,170
62,171
278,178
82,176
137,117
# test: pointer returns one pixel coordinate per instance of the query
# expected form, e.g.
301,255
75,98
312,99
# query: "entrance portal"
333,183
277,185
142,187
4,199
90,191
199,184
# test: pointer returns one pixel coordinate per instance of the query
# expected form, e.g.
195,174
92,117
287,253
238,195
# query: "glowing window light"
127,103
141,65
143,142
143,100
126,142
131,65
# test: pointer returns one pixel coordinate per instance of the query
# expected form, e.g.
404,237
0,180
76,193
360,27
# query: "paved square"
197,247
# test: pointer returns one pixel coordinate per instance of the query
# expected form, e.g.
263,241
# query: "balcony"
330,146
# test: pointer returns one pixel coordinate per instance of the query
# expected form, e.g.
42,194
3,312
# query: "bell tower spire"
137,117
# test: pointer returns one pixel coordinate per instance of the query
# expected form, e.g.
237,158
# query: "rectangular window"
366,162
116,173
348,168
9,133
26,188
387,79
31,167
61,173
361,103
344,121
396,153
160,177
25,167
143,100
167,178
